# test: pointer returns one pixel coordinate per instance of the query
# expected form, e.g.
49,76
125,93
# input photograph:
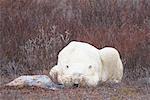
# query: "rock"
41,81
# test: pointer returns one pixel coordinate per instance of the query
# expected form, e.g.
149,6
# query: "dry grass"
32,32
104,92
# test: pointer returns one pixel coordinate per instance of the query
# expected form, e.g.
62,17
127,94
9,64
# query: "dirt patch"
122,91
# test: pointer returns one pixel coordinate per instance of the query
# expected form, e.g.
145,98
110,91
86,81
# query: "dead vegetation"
32,32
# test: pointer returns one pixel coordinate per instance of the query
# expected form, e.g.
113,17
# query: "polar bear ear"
54,74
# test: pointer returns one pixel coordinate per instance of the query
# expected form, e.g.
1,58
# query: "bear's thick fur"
82,64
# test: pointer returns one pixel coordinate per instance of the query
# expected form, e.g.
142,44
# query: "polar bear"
81,64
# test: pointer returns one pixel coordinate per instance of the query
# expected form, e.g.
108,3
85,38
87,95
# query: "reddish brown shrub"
32,32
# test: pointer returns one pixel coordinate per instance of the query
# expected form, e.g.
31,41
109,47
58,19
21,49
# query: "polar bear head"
75,75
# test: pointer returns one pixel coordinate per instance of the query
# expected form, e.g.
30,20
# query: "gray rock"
42,81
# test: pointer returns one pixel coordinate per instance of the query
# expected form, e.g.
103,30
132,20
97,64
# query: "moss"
128,91
115,98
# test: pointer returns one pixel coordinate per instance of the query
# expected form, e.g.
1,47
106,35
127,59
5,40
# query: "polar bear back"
77,52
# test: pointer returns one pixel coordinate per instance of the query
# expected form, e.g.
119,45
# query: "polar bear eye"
90,66
67,66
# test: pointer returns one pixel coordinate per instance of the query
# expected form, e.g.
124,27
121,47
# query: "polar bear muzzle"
76,76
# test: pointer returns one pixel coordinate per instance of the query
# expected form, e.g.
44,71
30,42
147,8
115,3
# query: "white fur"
112,69
83,64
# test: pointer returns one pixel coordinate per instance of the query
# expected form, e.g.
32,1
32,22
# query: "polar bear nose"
76,82
75,85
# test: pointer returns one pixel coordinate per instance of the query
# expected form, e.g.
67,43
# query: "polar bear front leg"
54,73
